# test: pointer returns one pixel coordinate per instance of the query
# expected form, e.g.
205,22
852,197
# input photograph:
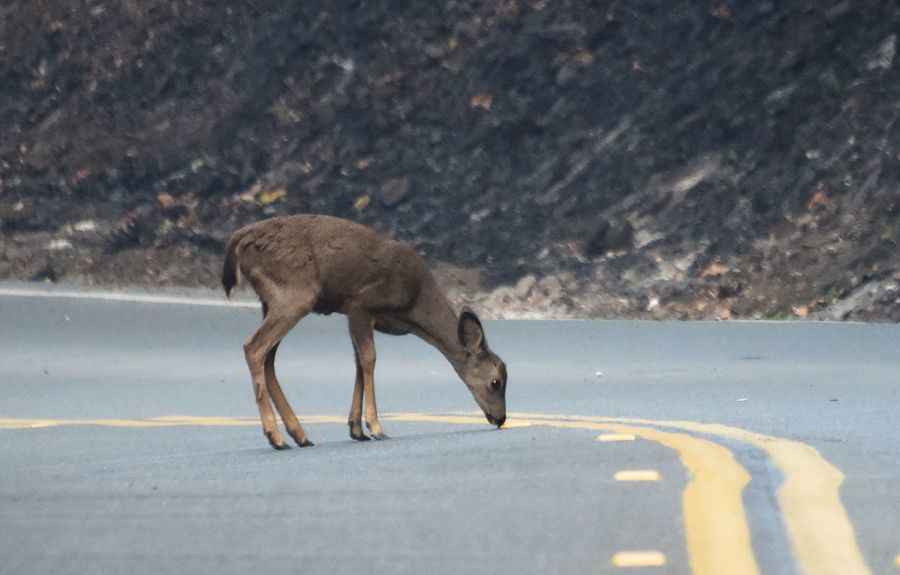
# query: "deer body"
320,264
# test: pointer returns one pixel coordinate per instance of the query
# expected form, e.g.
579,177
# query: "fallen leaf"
165,200
820,198
362,202
271,196
800,310
584,57
250,195
483,101
713,270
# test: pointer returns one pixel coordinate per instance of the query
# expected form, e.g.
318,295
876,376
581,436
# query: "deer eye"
495,384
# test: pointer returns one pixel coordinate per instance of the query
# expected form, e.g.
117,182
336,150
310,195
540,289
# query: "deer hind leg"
278,322
363,336
287,414
355,419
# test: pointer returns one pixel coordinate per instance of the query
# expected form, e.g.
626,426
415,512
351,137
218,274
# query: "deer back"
345,263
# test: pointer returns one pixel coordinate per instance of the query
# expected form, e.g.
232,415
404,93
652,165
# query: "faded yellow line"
637,475
9,423
639,559
611,437
193,421
897,560
460,419
820,531
237,421
166,421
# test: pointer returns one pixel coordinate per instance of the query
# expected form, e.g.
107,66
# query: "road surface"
129,443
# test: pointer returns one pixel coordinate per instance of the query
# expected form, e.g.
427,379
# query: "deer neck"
436,322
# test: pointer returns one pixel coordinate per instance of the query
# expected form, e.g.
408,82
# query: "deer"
309,263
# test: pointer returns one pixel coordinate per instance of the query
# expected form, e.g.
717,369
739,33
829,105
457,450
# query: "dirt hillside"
665,159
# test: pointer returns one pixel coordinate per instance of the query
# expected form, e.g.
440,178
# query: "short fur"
319,264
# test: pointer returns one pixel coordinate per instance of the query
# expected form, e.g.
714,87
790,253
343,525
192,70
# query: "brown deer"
311,263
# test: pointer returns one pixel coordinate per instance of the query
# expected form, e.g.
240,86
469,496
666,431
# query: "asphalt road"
129,442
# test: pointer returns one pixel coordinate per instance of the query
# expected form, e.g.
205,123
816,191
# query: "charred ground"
638,159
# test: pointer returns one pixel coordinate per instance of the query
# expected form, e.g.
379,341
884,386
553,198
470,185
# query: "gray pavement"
442,497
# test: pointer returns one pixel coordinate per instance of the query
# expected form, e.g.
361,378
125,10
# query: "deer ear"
469,330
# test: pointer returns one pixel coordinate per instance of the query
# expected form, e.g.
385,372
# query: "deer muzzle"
498,421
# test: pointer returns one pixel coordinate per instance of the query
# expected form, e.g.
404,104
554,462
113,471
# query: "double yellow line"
718,537
821,535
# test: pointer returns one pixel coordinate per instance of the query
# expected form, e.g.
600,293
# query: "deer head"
480,369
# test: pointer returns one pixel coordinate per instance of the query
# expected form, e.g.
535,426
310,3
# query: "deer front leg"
362,333
355,419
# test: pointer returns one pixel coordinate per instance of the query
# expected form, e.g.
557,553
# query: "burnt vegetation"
716,158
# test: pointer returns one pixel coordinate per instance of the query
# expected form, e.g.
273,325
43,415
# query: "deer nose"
500,421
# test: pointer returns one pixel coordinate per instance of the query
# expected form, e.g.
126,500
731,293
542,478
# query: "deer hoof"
300,439
356,432
381,436
277,444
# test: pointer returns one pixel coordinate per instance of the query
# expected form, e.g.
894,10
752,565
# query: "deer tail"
231,270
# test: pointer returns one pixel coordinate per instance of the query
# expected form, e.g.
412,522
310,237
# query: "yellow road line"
610,437
897,560
166,421
10,423
236,421
637,475
715,522
718,536
459,419
821,534
639,559
819,528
